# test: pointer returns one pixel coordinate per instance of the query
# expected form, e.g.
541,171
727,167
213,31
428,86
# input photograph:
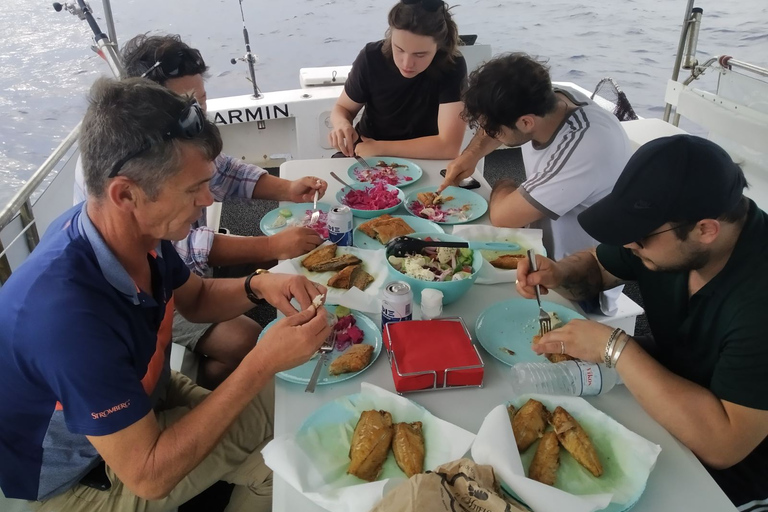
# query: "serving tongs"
402,245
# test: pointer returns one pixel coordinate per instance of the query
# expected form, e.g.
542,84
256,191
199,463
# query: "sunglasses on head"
428,5
181,63
188,125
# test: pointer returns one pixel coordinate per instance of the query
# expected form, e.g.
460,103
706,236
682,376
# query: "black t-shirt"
399,108
718,338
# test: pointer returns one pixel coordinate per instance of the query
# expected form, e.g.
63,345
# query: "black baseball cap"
677,178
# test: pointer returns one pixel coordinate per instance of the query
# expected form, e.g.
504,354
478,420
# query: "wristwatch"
249,291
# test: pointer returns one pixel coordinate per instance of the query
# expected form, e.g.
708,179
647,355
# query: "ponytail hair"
425,18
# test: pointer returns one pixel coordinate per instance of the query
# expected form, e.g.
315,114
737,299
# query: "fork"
315,212
545,322
325,349
362,162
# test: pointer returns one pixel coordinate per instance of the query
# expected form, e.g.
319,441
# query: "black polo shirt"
399,108
718,338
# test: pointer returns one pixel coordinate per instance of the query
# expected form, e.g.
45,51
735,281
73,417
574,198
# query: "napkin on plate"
368,300
626,457
314,460
526,238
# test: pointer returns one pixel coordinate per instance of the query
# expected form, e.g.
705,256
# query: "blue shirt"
85,352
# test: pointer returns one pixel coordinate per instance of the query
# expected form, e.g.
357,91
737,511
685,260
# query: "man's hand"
294,339
343,138
548,276
303,189
460,168
368,147
293,241
582,339
279,289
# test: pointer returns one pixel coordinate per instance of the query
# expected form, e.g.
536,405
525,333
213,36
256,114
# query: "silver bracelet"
609,346
618,348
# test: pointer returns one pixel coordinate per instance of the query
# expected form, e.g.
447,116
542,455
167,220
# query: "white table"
678,482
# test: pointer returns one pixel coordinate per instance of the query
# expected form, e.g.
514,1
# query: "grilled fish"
408,447
529,423
370,444
546,460
354,359
576,441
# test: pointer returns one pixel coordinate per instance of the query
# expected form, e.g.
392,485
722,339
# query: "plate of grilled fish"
357,347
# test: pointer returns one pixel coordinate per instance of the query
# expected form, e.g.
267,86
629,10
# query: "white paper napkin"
315,459
368,300
627,460
525,238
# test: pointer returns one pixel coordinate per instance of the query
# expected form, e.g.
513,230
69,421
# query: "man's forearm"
480,146
238,250
580,276
271,187
432,147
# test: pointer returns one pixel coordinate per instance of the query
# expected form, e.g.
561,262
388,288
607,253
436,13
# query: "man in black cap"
678,224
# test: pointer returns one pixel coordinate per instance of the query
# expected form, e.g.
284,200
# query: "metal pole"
110,22
5,266
679,56
28,219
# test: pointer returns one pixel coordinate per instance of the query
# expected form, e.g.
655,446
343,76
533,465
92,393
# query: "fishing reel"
72,8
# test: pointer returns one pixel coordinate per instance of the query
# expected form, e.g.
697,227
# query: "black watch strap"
249,291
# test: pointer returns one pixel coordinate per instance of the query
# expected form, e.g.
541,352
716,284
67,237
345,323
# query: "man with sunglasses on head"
678,224
96,420
173,64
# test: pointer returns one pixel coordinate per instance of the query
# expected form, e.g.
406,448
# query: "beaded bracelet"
609,346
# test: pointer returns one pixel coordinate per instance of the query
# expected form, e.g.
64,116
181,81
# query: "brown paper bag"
457,486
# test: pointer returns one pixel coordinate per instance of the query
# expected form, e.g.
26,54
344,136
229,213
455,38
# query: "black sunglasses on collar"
428,5
188,125
182,63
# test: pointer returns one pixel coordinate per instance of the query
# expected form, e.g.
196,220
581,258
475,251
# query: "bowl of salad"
452,271
368,201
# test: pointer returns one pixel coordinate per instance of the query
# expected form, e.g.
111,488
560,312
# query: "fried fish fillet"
354,359
529,423
553,358
546,460
576,441
337,263
369,227
408,447
511,411
350,276
426,198
319,255
507,261
370,444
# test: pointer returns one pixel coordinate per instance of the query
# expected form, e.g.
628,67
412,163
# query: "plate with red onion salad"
369,201
397,172
458,205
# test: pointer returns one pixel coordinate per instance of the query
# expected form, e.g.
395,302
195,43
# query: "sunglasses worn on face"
188,125
428,5
646,237
181,63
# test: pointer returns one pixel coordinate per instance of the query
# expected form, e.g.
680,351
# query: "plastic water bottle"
575,378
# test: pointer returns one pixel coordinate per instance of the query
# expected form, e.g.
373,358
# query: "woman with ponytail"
410,84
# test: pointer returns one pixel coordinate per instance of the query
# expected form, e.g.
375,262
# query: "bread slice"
368,227
392,228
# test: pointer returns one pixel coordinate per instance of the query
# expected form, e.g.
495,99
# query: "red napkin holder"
432,354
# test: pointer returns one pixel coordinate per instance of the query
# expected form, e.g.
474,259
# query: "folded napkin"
368,300
525,238
626,457
314,460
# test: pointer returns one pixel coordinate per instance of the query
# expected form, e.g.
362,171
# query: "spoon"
402,245
336,177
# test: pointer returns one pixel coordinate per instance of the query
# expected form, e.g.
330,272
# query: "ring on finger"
562,347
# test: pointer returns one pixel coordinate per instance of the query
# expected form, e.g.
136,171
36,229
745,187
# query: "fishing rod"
106,48
249,58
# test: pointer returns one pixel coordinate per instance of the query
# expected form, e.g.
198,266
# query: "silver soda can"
396,303
340,225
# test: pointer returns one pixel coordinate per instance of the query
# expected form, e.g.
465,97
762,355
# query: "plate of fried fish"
375,233
358,344
453,206
585,459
